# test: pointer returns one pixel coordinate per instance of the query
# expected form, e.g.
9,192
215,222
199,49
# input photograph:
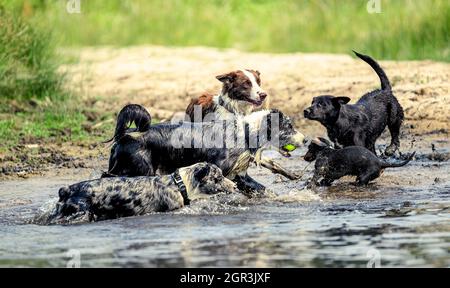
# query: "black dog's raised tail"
400,164
129,114
385,84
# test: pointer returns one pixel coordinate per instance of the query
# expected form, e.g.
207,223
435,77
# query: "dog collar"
183,190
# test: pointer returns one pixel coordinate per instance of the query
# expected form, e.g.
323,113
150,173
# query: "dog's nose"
306,112
262,95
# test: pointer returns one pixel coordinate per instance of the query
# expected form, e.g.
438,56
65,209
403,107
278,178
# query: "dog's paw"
325,183
390,150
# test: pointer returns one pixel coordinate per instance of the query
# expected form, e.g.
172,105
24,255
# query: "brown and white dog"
241,94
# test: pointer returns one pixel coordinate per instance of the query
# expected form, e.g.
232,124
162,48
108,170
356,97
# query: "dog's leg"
394,128
322,183
359,139
370,144
314,181
367,176
395,119
248,185
254,184
277,169
326,182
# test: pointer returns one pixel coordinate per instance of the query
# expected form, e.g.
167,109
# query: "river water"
402,219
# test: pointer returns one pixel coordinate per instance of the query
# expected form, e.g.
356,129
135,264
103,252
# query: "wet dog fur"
241,94
362,123
332,164
153,152
114,197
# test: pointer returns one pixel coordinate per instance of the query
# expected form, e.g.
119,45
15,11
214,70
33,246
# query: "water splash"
304,195
44,213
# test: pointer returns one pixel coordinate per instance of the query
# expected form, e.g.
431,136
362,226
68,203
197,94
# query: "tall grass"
31,93
405,29
27,60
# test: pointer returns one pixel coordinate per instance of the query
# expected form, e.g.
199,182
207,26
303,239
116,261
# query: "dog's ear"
201,172
63,193
326,141
226,78
341,100
255,71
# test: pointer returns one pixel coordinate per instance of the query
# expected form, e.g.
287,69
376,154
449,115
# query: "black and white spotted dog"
114,197
231,145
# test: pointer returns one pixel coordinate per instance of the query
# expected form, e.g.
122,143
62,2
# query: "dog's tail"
385,84
400,164
129,114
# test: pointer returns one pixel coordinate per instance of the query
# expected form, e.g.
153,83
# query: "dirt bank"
164,80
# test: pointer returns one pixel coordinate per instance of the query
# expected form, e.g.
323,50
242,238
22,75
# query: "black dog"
332,164
362,123
109,198
231,145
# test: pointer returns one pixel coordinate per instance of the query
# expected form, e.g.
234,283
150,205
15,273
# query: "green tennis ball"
289,147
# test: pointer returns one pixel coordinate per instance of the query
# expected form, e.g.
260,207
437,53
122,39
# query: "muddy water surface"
402,219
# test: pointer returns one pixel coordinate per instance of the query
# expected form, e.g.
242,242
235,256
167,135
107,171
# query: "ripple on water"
405,220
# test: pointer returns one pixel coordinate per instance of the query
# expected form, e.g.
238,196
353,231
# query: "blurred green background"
405,29
34,104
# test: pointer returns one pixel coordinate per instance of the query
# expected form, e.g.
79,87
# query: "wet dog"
332,164
231,145
362,123
109,198
241,94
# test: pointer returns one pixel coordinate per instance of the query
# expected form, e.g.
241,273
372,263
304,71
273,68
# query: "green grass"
406,29
34,108
31,29
53,125
28,67
33,104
